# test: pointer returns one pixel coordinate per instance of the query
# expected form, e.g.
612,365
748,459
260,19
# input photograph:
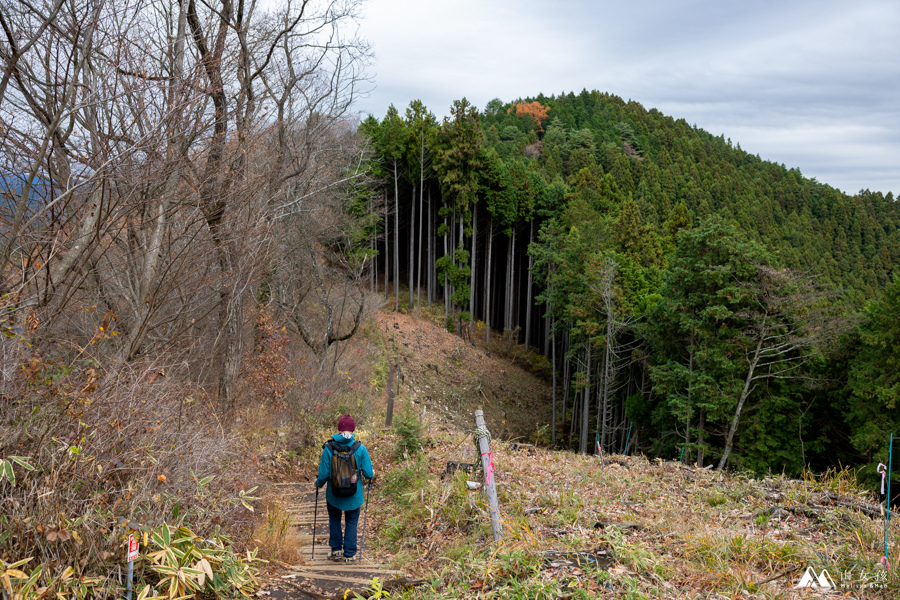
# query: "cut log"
454,465
775,511
868,509
600,559
630,525
516,446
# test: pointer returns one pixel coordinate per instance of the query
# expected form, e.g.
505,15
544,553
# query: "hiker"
343,461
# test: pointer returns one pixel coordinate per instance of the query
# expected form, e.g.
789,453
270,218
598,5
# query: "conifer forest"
691,300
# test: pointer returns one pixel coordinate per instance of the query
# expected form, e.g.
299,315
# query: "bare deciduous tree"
152,153
787,323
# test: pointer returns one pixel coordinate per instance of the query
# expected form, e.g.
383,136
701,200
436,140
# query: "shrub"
184,564
91,461
400,482
404,486
409,433
450,324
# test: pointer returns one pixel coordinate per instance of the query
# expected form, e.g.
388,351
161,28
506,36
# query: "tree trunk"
412,247
553,363
507,317
586,402
687,438
372,264
495,298
431,277
234,348
451,310
745,393
419,266
472,278
514,294
567,375
446,286
396,241
576,398
528,302
690,409
606,376
487,283
389,418
457,312
153,254
547,335
387,262
701,435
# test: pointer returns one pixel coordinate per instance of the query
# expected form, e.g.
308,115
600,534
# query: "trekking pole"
362,540
315,514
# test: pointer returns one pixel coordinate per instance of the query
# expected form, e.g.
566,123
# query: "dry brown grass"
686,533
275,536
128,455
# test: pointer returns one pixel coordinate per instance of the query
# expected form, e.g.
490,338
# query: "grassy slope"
692,533
451,377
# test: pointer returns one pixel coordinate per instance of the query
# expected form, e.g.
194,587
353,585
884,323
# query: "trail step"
317,566
310,575
303,515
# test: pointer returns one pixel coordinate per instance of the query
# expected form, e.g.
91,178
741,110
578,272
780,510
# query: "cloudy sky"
811,84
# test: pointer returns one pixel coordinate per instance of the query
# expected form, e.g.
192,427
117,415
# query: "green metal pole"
887,522
681,458
629,438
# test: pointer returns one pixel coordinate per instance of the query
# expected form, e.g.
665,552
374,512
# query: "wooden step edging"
309,575
316,566
305,514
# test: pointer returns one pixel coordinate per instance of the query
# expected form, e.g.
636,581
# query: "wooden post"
389,418
490,483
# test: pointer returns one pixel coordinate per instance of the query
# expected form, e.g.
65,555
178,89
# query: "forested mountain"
680,287
193,229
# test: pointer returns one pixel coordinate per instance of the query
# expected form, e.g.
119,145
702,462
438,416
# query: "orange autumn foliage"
532,109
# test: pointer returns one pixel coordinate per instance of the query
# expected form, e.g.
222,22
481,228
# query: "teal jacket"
363,463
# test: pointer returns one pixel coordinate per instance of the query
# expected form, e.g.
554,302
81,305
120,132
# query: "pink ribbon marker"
490,469
882,469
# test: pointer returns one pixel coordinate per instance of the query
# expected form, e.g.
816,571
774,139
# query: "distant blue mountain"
11,187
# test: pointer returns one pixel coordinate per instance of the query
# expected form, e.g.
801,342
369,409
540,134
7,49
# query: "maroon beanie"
346,423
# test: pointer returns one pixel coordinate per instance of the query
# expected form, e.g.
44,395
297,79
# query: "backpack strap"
353,448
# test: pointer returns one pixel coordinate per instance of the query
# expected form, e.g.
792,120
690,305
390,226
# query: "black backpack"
344,475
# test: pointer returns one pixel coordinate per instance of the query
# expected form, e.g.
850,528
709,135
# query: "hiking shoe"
336,555
353,558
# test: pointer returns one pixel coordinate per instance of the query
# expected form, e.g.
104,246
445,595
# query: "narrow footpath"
315,576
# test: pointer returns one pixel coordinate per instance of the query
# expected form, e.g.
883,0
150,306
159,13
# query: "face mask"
346,434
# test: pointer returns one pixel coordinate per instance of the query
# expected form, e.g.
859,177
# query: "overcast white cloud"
813,85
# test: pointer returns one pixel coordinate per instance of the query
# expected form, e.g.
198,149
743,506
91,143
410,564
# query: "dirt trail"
445,374
315,576
446,377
